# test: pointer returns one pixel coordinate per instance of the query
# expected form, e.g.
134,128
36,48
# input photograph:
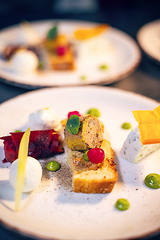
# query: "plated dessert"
89,155
62,53
131,203
56,51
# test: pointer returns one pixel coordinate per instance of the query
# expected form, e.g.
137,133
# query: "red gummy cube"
42,144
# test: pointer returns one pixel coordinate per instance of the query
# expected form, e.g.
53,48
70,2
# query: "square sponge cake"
89,177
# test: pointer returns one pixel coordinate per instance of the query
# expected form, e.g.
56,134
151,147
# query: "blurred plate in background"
149,40
122,58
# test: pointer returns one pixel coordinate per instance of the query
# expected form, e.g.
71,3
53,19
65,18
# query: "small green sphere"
103,67
95,112
122,204
152,180
53,166
83,77
126,125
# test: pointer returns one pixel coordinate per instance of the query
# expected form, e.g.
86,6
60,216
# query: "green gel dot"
122,204
95,112
41,65
103,67
73,124
126,125
53,166
18,130
83,78
152,180
85,156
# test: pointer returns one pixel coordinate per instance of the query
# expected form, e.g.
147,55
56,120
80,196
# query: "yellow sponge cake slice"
89,177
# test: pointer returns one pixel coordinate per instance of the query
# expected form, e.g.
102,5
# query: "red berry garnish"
96,155
74,113
61,50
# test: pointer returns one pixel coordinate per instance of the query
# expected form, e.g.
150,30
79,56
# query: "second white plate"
121,62
149,39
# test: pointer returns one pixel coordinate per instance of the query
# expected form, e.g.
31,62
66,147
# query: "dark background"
128,16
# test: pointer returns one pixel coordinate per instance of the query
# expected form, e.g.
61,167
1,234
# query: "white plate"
149,39
122,60
53,210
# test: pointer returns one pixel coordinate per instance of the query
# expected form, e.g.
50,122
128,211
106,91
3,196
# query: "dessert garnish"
33,174
83,77
152,180
42,144
85,156
122,204
73,124
126,125
133,150
149,125
53,166
73,113
83,34
103,67
96,155
52,33
94,111
145,138
22,156
24,61
45,118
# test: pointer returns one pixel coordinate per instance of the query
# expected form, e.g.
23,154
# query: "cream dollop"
24,61
45,118
33,174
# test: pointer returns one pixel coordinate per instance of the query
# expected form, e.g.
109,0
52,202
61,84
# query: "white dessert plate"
53,210
149,39
122,58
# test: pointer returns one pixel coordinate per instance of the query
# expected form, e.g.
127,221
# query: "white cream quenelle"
24,61
33,174
45,118
133,150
